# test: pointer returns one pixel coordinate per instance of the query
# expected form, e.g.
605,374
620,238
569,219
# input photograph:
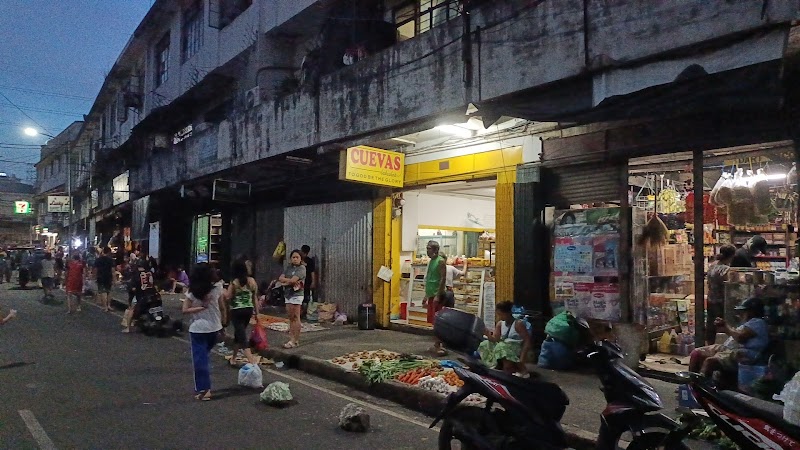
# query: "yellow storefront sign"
370,165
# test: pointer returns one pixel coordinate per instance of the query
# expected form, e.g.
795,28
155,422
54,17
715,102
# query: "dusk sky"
54,55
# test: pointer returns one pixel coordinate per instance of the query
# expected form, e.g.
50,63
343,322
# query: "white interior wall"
444,211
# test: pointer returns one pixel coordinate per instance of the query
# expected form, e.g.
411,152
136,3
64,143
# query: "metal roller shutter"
340,236
583,183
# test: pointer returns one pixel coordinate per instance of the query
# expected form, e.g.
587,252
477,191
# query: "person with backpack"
241,296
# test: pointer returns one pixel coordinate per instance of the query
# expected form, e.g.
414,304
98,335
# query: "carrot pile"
412,377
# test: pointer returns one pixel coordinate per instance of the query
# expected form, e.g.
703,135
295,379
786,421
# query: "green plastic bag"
276,393
560,328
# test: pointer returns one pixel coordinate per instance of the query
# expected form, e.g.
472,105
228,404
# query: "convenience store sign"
370,165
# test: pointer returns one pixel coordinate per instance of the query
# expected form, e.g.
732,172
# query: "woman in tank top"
242,298
508,345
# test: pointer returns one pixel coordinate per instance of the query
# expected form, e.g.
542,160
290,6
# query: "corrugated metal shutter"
583,183
340,236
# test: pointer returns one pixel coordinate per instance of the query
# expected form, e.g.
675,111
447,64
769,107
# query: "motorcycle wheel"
461,417
654,440
653,433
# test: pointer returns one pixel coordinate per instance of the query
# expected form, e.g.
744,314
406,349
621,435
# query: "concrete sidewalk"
581,420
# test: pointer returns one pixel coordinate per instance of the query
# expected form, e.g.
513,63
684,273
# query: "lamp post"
33,132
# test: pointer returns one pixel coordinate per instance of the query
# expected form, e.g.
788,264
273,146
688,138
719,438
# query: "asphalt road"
78,382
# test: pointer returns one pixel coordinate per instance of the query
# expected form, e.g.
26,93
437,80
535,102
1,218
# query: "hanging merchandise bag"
715,190
250,376
280,252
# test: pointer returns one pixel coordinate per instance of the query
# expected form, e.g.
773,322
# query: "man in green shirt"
435,279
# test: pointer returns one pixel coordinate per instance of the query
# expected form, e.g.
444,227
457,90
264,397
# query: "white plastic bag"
791,400
250,376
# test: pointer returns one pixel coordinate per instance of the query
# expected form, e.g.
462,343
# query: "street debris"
354,418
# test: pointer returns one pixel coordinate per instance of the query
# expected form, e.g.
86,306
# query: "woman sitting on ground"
746,343
508,345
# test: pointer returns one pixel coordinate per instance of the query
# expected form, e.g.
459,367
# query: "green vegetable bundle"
378,372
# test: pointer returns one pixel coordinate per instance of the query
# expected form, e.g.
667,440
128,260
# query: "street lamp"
33,132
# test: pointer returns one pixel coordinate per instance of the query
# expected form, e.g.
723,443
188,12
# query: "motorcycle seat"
768,411
548,397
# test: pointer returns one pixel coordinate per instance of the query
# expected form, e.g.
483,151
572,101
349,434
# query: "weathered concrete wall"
523,45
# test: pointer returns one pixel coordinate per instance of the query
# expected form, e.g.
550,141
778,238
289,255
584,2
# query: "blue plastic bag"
555,355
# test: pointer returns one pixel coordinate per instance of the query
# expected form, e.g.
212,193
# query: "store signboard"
155,235
370,165
22,207
57,204
231,191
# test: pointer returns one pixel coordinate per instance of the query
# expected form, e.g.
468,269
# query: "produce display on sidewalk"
380,366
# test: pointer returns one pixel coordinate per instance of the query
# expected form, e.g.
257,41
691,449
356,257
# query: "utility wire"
45,93
24,113
43,110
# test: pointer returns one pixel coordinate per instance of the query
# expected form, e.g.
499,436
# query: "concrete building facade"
268,93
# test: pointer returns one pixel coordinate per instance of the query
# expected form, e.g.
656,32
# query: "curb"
415,399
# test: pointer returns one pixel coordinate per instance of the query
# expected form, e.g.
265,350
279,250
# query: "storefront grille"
583,183
340,236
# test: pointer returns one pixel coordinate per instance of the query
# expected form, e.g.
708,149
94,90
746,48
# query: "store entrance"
460,217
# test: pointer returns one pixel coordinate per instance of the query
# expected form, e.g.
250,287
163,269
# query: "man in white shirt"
450,275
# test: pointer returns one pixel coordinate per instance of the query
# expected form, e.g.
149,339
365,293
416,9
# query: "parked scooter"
751,423
531,410
151,319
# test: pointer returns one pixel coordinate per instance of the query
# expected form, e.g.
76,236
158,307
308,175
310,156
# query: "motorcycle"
526,413
751,423
150,317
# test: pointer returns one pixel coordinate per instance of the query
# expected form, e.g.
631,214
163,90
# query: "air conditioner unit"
161,142
252,98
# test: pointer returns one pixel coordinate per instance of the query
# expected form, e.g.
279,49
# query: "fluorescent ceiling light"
456,130
405,141
775,176
299,160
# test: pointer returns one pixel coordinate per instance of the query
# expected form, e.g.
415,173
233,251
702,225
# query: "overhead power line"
24,113
45,93
43,110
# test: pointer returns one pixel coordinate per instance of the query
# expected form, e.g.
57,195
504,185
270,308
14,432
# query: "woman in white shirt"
205,304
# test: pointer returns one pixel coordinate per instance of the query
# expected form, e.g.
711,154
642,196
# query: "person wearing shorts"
242,297
293,282
104,266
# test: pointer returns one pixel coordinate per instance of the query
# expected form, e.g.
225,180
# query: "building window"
162,60
418,16
192,33
222,12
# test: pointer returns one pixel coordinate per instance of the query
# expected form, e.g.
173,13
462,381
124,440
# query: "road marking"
325,390
36,430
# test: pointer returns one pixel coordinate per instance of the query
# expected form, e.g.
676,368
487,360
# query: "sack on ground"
258,339
312,313
555,355
276,393
250,376
560,328
791,400
326,312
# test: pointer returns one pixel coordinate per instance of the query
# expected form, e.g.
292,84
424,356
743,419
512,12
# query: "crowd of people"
209,303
